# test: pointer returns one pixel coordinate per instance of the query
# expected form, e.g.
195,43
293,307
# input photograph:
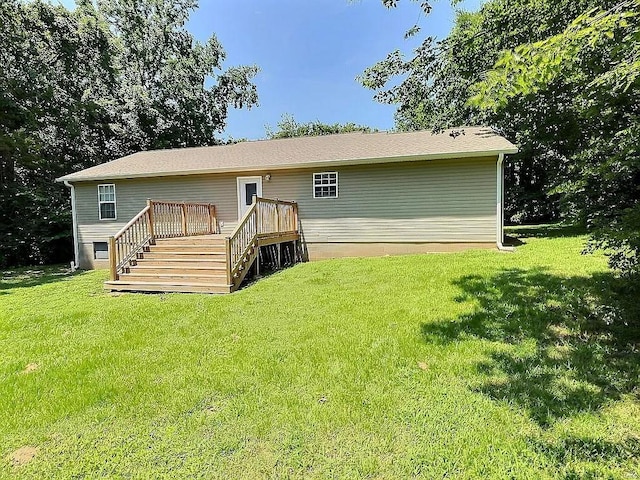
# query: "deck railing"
173,219
265,217
158,220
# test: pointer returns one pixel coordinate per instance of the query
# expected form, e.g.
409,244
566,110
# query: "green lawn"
472,365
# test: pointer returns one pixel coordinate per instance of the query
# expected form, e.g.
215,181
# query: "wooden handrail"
241,239
158,220
131,222
278,201
265,217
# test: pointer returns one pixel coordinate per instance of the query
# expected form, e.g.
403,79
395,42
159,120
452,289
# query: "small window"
100,251
107,202
325,185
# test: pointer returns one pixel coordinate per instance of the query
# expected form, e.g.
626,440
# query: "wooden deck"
199,262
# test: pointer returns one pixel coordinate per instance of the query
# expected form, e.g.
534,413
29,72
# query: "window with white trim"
107,202
325,185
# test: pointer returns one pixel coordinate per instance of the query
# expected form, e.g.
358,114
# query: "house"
355,194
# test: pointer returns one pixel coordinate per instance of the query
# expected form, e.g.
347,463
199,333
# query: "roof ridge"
258,140
306,137
321,151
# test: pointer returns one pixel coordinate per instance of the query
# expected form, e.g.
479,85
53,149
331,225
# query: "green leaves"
597,57
412,32
377,76
174,91
82,87
288,127
531,67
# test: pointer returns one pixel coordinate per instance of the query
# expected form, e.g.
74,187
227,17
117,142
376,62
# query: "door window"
250,189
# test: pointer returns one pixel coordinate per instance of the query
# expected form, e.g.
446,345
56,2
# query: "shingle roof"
328,150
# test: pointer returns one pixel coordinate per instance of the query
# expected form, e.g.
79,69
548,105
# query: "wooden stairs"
183,264
177,247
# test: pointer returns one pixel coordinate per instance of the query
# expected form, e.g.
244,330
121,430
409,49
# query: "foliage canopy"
86,86
288,127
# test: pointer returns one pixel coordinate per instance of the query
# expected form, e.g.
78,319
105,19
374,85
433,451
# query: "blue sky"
310,52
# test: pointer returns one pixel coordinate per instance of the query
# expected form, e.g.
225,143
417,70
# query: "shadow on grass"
510,241
31,276
555,230
570,345
571,450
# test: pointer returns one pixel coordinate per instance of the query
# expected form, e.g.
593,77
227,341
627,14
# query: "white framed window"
107,201
325,185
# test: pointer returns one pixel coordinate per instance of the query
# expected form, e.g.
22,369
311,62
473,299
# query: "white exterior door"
247,188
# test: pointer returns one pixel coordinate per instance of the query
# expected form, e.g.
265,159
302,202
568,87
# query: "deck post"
184,219
258,262
256,215
210,210
152,232
296,228
214,218
113,271
227,247
279,255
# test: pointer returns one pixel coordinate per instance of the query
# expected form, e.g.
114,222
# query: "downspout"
500,205
74,218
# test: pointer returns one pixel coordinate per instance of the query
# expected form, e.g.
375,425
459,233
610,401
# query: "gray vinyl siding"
429,201
131,197
434,201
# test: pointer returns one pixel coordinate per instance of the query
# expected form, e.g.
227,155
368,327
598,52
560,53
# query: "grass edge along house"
196,219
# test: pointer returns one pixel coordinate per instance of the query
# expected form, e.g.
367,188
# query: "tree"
289,127
165,98
597,59
56,64
83,87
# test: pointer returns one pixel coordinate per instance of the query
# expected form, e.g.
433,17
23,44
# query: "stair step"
188,247
186,287
137,276
184,251
195,269
217,240
185,255
183,262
